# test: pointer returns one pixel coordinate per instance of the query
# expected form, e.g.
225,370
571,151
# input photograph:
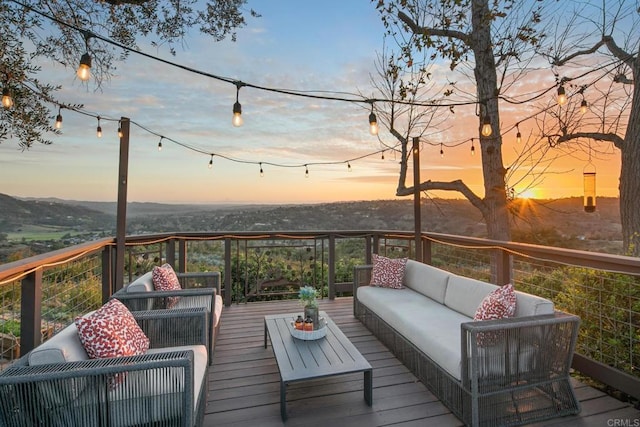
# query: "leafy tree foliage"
75,28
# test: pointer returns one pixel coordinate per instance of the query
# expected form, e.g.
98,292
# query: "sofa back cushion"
426,279
65,346
143,283
532,305
465,295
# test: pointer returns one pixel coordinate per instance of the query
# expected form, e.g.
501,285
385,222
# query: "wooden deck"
244,383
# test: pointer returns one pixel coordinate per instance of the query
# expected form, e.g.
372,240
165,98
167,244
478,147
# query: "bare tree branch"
433,31
457,185
610,137
560,62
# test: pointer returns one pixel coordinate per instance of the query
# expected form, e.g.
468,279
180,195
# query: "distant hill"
16,213
532,220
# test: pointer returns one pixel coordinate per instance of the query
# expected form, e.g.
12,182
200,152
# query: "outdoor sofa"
502,372
57,384
197,289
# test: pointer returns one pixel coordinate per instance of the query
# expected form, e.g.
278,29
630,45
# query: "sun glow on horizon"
529,193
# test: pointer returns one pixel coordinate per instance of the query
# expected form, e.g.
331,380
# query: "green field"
30,233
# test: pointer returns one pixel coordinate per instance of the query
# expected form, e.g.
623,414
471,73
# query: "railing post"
376,245
368,248
31,311
107,270
170,254
227,272
332,267
503,267
182,255
427,248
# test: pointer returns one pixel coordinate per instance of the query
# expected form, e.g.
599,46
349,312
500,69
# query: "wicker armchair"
166,386
199,289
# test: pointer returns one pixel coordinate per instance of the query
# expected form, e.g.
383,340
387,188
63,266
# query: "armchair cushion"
165,279
111,331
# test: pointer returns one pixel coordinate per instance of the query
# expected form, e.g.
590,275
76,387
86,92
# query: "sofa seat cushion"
432,327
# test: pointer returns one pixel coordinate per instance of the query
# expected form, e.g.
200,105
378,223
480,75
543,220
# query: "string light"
261,171
84,69
58,124
306,171
160,144
486,126
441,150
373,122
382,157
473,148
99,129
120,134
7,99
584,107
562,96
518,134
237,108
349,166
211,162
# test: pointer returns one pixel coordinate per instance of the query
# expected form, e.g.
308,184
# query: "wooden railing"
529,267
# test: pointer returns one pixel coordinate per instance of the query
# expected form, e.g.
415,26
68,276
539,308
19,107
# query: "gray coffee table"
300,360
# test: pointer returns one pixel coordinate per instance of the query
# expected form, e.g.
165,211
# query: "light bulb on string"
382,157
518,134
58,124
373,122
486,126
584,107
306,171
237,108
99,129
441,150
7,99
261,171
160,144
84,69
473,148
562,96
349,166
120,134
211,162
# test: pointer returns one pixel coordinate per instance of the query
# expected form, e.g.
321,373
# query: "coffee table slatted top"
303,360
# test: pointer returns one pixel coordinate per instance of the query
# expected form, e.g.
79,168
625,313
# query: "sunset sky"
326,46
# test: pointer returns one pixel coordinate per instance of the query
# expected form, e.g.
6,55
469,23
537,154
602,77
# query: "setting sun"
529,193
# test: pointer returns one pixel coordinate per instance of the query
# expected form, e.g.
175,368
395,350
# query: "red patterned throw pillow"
111,331
165,279
388,272
499,304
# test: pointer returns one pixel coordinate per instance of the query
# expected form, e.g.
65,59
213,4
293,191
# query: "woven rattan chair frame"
89,393
498,388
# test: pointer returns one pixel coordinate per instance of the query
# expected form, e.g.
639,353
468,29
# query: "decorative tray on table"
316,334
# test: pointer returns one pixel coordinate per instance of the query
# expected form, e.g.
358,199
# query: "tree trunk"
496,214
630,173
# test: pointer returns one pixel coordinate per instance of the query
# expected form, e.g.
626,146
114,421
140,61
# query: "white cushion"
65,346
143,283
532,305
465,295
426,279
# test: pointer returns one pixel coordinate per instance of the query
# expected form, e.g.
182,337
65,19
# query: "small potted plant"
309,297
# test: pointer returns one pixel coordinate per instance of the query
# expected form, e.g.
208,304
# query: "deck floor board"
244,388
